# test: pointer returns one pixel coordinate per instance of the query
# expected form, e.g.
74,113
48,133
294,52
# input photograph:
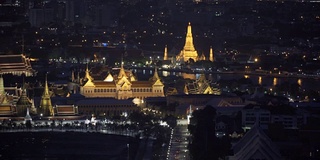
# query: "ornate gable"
109,78
255,144
89,83
158,83
123,80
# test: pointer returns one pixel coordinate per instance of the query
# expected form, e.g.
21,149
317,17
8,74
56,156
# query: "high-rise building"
40,16
75,11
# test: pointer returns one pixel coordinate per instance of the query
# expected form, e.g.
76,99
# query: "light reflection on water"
268,81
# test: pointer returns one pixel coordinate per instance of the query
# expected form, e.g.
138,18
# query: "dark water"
65,145
269,81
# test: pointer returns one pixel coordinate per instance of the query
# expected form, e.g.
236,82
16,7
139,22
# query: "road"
178,147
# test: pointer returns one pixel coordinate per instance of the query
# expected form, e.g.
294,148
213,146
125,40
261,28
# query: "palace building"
122,86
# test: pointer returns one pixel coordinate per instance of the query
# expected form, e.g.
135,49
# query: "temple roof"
122,73
109,78
255,144
15,64
24,100
155,76
136,84
104,84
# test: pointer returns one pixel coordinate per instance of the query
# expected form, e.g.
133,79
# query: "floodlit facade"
189,52
16,65
122,86
201,86
46,107
6,106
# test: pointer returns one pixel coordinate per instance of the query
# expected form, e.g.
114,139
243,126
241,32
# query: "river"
265,80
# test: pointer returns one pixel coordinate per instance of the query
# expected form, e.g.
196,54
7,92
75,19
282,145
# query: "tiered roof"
255,144
16,65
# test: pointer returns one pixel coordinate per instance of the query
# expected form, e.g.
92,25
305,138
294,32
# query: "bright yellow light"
275,81
299,82
256,60
260,80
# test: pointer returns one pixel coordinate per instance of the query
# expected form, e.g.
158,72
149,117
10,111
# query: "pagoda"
188,52
45,104
23,103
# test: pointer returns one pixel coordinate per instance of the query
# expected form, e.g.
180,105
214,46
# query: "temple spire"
46,87
122,72
88,77
211,54
2,92
27,117
189,39
155,76
72,76
188,52
45,103
165,56
23,102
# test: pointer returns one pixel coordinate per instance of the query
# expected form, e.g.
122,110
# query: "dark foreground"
66,145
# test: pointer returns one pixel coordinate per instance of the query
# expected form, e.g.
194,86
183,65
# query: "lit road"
178,148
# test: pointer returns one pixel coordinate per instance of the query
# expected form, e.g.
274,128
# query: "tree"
203,144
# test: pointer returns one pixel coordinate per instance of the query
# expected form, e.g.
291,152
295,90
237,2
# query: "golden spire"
122,72
188,52
2,92
155,76
211,54
45,103
88,77
72,76
46,88
165,56
189,40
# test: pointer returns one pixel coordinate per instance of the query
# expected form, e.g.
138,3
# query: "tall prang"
211,58
2,92
45,104
165,56
188,51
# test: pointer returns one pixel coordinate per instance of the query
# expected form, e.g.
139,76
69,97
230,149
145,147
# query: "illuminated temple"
189,52
6,107
46,107
122,86
201,86
16,65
